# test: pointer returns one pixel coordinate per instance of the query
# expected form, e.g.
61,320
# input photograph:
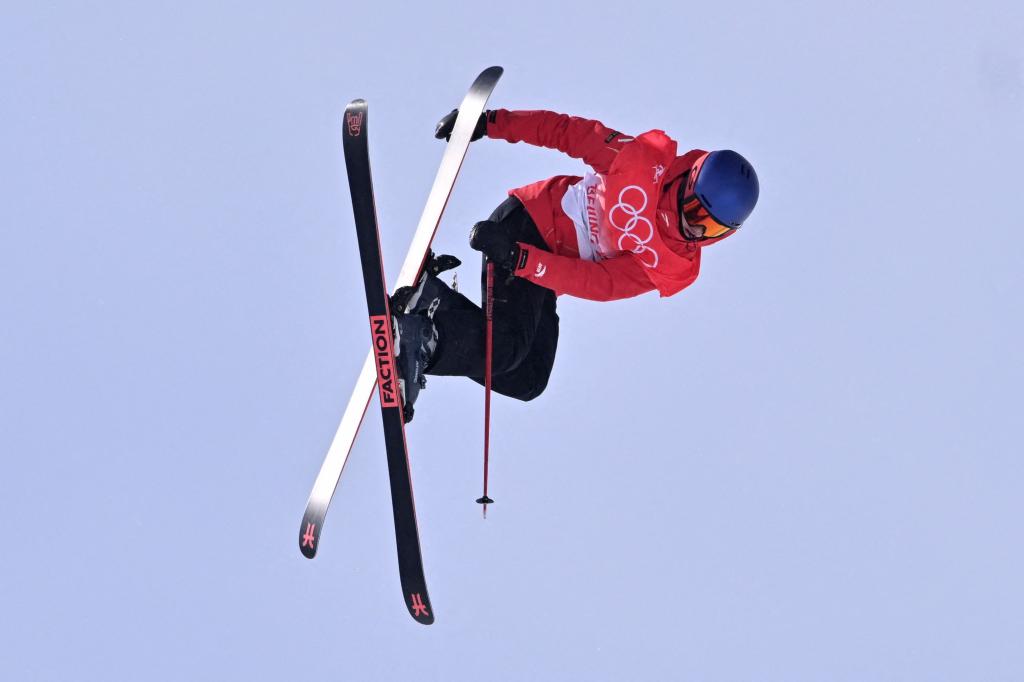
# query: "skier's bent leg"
518,309
529,379
462,344
518,303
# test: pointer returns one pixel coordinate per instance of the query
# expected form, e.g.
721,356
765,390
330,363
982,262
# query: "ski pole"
488,354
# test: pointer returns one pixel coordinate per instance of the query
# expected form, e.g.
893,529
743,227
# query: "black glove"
495,242
444,128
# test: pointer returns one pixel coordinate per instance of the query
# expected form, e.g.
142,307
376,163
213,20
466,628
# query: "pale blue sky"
804,467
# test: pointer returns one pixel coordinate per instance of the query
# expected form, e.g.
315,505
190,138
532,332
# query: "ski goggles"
696,213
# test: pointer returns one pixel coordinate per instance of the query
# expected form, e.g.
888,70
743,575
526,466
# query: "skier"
637,223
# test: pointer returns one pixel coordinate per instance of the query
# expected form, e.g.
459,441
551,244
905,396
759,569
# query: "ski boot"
415,343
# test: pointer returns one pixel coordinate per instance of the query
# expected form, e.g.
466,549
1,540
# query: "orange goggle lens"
697,216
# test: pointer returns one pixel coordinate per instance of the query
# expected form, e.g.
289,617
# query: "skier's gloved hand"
496,243
444,128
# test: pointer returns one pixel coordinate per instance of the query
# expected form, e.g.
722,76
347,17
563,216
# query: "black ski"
410,562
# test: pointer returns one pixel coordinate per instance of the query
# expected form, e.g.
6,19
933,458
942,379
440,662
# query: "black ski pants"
525,324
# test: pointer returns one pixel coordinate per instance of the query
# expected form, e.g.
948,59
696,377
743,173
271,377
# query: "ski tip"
487,79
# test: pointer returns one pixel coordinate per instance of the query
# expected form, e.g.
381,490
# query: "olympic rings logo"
633,237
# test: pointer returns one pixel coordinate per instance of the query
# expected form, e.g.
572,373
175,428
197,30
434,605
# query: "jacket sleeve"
591,141
607,280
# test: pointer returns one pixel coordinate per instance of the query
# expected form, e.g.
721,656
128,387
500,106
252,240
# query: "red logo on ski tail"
309,538
380,330
354,123
418,607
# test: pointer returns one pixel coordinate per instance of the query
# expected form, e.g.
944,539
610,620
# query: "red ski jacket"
615,232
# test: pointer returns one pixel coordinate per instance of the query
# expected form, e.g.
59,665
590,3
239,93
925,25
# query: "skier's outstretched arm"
591,141
604,280
607,280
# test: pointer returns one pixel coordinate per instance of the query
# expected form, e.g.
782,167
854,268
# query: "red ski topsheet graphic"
354,123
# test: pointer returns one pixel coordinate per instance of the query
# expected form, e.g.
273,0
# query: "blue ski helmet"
723,186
